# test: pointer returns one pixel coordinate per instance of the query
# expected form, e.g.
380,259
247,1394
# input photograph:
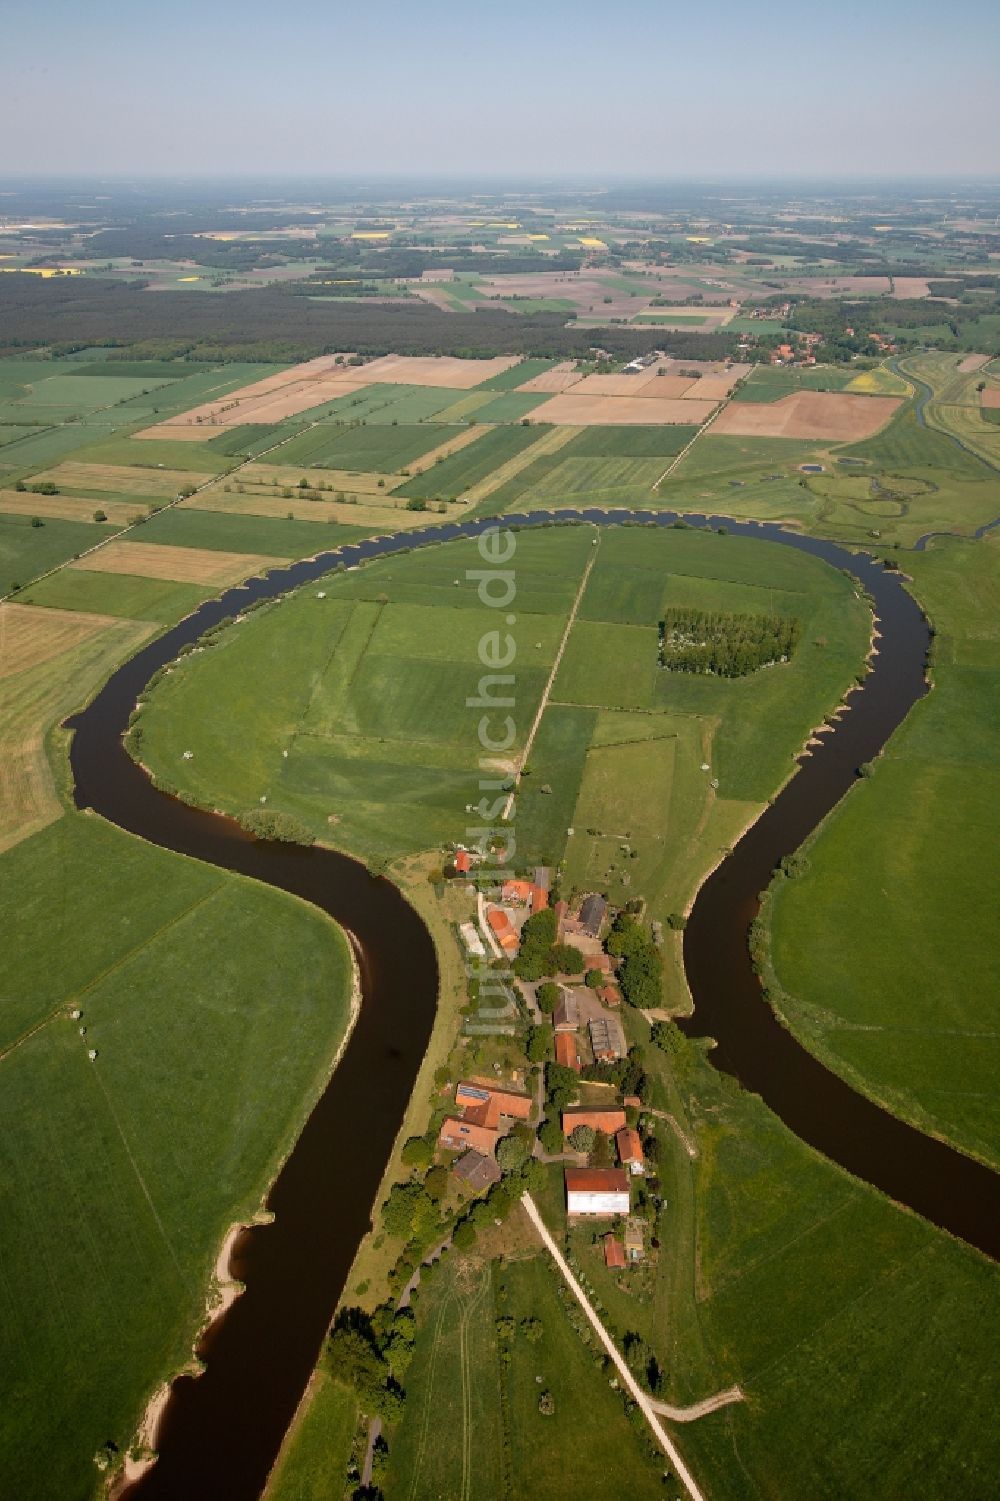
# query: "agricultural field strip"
567,631
550,442
688,446
125,958
176,502
634,1389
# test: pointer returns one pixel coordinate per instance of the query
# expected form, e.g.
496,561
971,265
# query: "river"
221,1431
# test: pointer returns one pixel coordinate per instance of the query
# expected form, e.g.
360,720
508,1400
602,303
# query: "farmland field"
120,929
27,551
454,476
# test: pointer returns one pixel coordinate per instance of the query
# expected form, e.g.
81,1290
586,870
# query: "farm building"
606,1039
597,1190
477,1092
477,1171
614,1253
502,929
630,1150
525,894
593,910
457,1132
609,994
566,1016
462,862
608,1121
566,1051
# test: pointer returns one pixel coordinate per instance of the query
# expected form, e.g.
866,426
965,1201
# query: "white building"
597,1190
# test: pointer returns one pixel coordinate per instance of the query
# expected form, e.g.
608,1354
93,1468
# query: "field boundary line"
550,442
690,444
529,742
635,1391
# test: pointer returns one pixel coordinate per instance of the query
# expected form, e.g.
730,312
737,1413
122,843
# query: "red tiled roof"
463,861
614,1253
566,1051
629,1145
539,898
501,925
507,1101
596,1180
457,1132
608,1121
517,891
610,995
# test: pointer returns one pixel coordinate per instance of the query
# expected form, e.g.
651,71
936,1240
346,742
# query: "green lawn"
121,1176
907,1009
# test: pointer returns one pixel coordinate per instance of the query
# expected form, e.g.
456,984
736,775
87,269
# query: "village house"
609,1121
597,1190
503,930
593,910
610,995
459,1132
477,1171
629,1147
472,1093
525,894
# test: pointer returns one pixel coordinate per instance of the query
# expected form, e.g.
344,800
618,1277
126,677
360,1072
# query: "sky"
653,89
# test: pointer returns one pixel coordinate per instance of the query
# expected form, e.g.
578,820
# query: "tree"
464,1236
538,1045
436,1183
582,1138
100,516
548,997
417,1151
551,1137
565,959
595,978
514,1150
400,1209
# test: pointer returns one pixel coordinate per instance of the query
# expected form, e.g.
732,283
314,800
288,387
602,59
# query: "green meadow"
116,1193
453,476
908,1009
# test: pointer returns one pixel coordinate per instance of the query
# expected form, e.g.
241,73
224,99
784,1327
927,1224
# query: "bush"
267,823
582,1138
417,1151
548,997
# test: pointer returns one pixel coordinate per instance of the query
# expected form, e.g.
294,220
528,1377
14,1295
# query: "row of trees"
728,645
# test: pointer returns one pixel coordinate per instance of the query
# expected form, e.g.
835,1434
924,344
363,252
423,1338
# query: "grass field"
50,664
317,1448
366,690
125,595
908,1010
26,550
270,537
630,442
117,1194
854,1330
771,382
456,1425
378,446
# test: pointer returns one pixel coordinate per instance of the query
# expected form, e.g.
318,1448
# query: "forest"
730,646
272,324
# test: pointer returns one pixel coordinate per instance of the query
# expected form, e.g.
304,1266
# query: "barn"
597,1190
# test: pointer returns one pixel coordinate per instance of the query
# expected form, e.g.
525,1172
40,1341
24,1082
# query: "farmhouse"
608,1121
458,1132
610,995
473,1093
630,1150
607,1039
597,1190
477,1171
593,911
